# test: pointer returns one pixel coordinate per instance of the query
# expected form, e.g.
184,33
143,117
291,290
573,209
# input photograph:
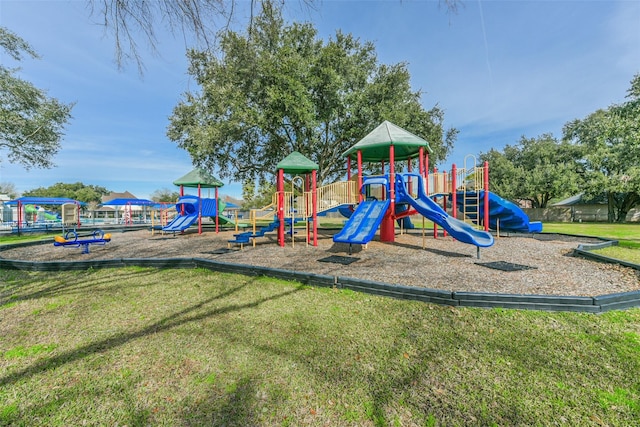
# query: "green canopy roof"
375,146
198,177
297,163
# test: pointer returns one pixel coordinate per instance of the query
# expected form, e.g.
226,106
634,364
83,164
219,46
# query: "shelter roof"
115,195
199,177
375,146
43,201
297,163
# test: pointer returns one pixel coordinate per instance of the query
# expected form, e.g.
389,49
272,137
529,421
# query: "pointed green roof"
297,163
375,146
198,177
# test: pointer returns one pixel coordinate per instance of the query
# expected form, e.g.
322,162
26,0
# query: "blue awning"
43,201
134,202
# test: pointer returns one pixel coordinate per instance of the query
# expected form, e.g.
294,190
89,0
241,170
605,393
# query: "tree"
9,188
31,123
165,195
77,191
535,169
255,198
611,141
504,176
282,90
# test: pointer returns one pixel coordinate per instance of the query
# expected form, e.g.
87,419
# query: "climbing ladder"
470,179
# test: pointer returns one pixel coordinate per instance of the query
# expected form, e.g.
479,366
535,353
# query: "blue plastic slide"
503,213
363,223
187,208
181,222
459,230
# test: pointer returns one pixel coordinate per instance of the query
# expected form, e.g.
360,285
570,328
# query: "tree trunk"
629,201
611,207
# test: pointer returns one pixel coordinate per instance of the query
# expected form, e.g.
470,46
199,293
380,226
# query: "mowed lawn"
627,235
140,346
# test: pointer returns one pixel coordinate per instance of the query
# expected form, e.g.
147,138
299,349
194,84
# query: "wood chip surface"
443,263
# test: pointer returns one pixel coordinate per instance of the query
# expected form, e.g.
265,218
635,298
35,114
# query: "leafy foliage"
9,188
134,22
535,169
77,191
257,197
165,195
31,123
279,89
611,142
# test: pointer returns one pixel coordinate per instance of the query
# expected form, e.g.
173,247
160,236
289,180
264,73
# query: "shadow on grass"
236,408
177,319
81,282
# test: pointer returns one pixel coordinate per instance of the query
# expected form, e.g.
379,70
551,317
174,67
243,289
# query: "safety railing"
336,194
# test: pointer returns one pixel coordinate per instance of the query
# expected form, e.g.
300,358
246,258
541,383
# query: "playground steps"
245,237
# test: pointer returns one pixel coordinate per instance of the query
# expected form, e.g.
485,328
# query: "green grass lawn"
624,232
140,346
628,236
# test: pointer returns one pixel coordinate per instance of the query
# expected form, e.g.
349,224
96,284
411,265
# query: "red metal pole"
409,182
421,161
280,207
387,228
426,173
454,191
182,194
444,198
392,182
359,176
314,206
486,196
435,199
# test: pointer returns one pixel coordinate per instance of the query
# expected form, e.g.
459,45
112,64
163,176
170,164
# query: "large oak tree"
279,88
536,169
611,141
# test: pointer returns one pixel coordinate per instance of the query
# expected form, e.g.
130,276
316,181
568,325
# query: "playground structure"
191,208
70,212
71,239
304,202
388,198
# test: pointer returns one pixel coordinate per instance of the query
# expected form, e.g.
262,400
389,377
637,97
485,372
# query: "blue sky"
499,69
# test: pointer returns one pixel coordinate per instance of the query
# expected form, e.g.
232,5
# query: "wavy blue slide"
459,230
502,213
363,223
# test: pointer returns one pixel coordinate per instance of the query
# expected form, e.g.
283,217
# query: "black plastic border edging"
596,304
